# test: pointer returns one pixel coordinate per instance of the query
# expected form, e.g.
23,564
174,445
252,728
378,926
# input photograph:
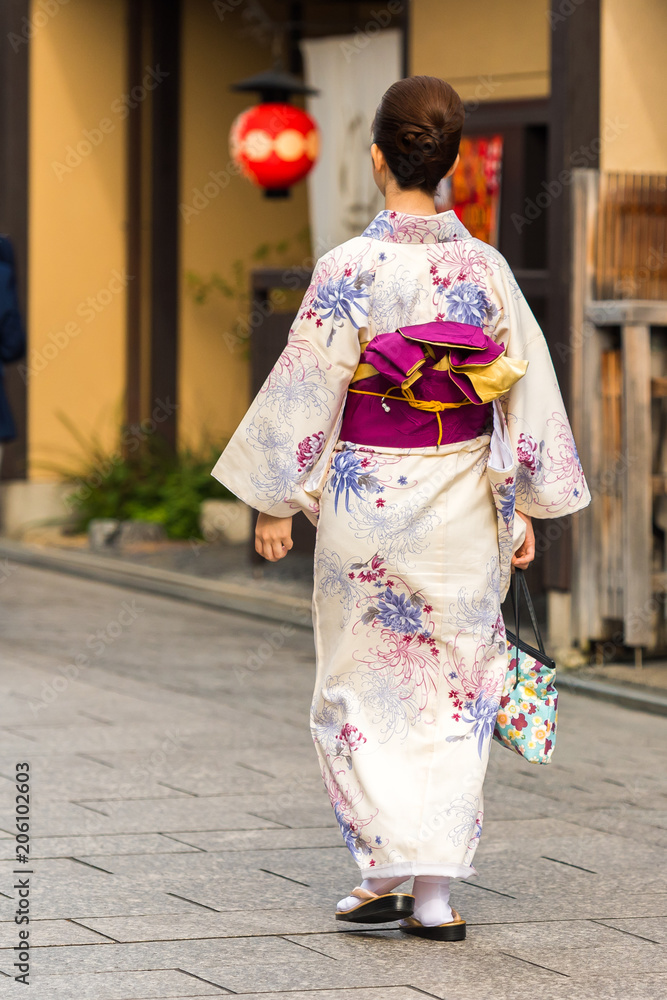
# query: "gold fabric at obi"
492,380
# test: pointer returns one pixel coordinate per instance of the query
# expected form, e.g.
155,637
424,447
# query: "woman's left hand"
273,536
525,554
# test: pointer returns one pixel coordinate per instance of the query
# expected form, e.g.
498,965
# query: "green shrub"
143,480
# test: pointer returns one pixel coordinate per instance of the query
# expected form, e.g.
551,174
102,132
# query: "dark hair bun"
413,138
418,127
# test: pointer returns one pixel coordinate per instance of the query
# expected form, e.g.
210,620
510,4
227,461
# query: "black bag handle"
520,581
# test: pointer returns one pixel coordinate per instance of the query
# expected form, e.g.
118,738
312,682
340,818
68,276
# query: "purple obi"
424,385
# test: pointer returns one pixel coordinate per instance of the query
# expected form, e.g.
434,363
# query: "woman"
412,414
12,334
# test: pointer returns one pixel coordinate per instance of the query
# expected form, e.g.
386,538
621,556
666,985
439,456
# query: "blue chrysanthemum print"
344,299
468,303
396,612
350,475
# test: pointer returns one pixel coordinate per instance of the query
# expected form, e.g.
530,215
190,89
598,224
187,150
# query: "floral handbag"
526,721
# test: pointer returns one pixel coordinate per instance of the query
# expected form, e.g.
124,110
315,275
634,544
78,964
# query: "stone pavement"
183,844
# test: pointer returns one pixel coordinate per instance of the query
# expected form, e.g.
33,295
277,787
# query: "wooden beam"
638,493
136,18
574,125
619,312
165,263
14,125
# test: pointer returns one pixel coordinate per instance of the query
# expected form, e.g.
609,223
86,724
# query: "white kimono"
414,545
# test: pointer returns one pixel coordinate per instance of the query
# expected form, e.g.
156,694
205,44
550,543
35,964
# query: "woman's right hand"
525,554
273,536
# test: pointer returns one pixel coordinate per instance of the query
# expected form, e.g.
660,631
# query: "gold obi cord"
407,396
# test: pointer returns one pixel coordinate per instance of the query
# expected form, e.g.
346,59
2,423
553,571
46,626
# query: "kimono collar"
399,227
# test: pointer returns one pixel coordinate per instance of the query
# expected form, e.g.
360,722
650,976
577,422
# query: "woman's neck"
411,201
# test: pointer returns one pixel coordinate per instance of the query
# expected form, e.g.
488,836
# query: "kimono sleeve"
281,448
549,478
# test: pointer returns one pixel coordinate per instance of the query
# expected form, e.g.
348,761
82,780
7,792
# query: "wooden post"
585,411
637,531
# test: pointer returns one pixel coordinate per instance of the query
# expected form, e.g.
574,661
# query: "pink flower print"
308,450
413,667
380,502
351,735
527,452
520,722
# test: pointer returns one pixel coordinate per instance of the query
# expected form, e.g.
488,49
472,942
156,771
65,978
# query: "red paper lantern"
275,144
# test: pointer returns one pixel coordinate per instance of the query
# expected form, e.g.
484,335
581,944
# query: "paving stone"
384,993
455,967
46,933
90,779
164,955
93,737
248,922
186,770
211,813
634,987
94,847
292,864
654,928
640,956
85,899
274,839
116,986
270,977
181,813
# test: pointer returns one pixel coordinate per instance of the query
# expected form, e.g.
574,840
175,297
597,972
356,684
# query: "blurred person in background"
12,334
382,421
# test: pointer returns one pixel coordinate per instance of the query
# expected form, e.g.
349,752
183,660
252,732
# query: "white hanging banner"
351,73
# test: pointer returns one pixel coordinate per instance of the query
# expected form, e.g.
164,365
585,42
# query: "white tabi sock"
377,885
431,894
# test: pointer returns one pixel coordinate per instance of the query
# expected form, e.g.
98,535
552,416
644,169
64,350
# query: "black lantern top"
274,85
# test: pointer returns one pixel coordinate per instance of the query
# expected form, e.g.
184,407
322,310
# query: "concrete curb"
226,596
641,699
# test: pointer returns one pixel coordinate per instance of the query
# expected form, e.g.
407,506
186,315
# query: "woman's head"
417,127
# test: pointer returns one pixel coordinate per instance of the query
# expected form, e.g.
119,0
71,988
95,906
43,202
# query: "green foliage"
236,288
143,480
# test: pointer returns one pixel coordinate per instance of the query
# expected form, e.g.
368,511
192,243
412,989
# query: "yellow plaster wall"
226,221
487,49
634,58
76,232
